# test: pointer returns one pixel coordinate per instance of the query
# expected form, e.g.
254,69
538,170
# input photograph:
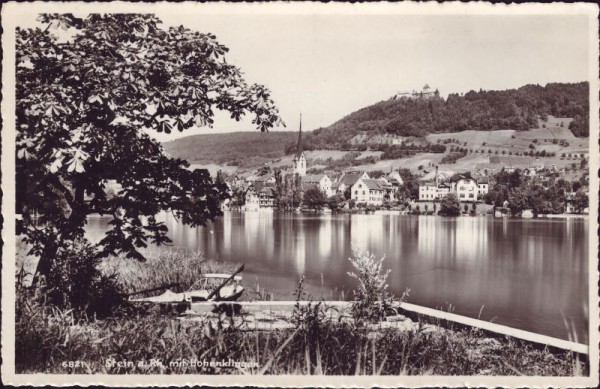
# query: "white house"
347,180
483,186
442,190
321,180
466,188
367,191
252,200
428,191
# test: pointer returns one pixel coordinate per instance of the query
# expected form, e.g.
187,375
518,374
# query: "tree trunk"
45,262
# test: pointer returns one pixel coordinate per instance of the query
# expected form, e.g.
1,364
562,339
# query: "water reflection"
527,273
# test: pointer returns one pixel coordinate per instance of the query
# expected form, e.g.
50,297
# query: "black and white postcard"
300,194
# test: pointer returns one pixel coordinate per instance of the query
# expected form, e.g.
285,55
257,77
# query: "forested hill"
516,109
233,148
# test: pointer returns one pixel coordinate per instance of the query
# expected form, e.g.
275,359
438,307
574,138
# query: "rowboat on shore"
211,287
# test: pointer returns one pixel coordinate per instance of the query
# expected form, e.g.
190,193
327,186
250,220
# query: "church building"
299,163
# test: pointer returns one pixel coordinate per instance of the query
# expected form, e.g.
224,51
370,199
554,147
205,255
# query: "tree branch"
54,180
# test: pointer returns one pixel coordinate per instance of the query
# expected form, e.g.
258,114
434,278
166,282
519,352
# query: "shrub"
75,281
372,302
450,205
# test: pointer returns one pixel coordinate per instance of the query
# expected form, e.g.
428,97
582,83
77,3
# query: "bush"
372,301
75,281
449,205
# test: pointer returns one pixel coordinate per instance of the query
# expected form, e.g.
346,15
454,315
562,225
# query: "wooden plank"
498,328
259,306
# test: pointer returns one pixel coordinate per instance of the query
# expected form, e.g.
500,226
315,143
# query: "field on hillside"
547,136
244,149
553,136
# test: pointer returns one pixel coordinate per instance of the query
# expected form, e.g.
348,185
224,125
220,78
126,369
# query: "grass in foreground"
47,340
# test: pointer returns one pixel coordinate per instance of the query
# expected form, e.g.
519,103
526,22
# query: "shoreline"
394,212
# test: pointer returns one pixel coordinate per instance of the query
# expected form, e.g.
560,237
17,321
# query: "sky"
326,66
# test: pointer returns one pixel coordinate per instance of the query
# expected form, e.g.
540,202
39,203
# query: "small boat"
207,285
211,287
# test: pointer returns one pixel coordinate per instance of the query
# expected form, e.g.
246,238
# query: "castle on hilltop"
425,93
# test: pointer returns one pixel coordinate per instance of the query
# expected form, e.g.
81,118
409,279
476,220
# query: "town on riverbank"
535,189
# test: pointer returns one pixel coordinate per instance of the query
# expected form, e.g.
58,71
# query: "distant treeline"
517,109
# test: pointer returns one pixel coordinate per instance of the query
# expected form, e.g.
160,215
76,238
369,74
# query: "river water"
527,274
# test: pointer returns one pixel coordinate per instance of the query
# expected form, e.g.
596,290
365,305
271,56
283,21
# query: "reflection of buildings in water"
227,231
284,232
471,238
535,254
325,239
340,232
268,240
299,249
436,237
258,232
251,226
393,235
426,239
367,233
504,226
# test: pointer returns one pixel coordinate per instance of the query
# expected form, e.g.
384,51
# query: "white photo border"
13,12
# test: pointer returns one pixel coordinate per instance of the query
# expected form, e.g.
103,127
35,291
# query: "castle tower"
299,164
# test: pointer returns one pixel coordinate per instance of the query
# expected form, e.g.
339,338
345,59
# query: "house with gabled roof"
465,187
483,186
321,180
265,179
347,180
251,202
428,190
267,197
367,191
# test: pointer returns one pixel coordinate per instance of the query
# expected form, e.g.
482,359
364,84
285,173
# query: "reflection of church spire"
299,145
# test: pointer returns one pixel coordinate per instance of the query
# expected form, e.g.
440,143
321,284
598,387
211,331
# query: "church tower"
299,164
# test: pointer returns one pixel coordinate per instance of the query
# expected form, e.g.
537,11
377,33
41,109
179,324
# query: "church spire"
299,145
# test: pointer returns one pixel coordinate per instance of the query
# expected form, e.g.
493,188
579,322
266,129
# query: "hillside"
244,149
514,109
509,127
